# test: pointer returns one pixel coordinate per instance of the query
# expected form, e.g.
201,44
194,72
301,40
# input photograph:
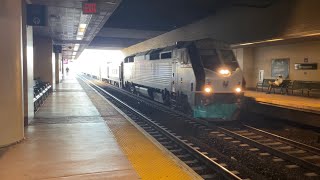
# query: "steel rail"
285,140
278,153
202,157
247,140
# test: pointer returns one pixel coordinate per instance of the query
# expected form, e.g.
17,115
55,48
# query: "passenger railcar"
111,72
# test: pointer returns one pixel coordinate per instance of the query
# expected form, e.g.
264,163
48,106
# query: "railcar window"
210,59
166,55
229,59
154,56
126,60
228,56
131,59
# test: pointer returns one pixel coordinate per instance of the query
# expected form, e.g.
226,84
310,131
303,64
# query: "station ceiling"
67,26
135,21
122,23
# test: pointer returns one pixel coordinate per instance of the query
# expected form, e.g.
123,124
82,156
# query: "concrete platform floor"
68,139
75,137
303,103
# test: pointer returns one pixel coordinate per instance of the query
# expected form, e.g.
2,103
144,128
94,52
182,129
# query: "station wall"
296,52
284,19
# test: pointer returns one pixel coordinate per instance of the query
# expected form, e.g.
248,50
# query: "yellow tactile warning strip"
149,161
146,158
284,100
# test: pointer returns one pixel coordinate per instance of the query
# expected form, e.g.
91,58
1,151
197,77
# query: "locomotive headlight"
238,90
208,89
224,72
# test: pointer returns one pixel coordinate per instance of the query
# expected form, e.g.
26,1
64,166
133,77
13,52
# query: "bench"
312,86
283,86
309,86
41,91
296,86
263,84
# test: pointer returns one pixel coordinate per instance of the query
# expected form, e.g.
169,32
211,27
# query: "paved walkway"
67,140
303,103
77,135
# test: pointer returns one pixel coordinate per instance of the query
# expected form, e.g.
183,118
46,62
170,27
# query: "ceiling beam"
128,33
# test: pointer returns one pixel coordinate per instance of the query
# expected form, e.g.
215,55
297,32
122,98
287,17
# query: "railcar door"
174,76
121,74
108,72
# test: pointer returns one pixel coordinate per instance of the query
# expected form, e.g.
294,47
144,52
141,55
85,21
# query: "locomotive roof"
201,43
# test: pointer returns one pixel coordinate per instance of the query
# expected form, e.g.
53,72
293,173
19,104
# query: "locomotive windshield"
210,59
229,59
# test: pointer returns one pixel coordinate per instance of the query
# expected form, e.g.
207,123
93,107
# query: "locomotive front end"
220,94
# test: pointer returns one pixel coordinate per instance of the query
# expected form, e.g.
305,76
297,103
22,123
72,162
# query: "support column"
43,60
11,95
58,67
27,41
28,76
246,63
62,69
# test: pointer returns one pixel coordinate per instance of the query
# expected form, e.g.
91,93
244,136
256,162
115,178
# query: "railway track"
209,163
206,166
300,154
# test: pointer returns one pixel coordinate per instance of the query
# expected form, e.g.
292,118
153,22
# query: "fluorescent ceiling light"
76,47
79,37
80,33
74,53
81,30
259,42
82,26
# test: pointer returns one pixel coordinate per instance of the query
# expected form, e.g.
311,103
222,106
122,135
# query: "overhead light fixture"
82,26
79,37
76,47
81,31
259,42
74,53
312,34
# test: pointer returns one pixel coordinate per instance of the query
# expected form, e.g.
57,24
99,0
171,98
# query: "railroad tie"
291,166
311,174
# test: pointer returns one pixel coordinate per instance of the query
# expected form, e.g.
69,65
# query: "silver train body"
200,77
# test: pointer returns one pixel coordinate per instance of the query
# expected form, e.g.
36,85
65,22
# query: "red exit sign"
89,8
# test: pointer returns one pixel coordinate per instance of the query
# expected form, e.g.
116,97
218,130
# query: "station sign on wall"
89,8
306,66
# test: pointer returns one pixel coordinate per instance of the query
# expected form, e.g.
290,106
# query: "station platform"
300,110
76,134
297,102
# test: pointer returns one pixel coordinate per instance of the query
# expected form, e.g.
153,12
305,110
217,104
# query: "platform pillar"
44,60
28,75
245,59
58,67
11,88
28,82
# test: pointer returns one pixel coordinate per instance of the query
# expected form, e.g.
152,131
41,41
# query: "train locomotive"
201,78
